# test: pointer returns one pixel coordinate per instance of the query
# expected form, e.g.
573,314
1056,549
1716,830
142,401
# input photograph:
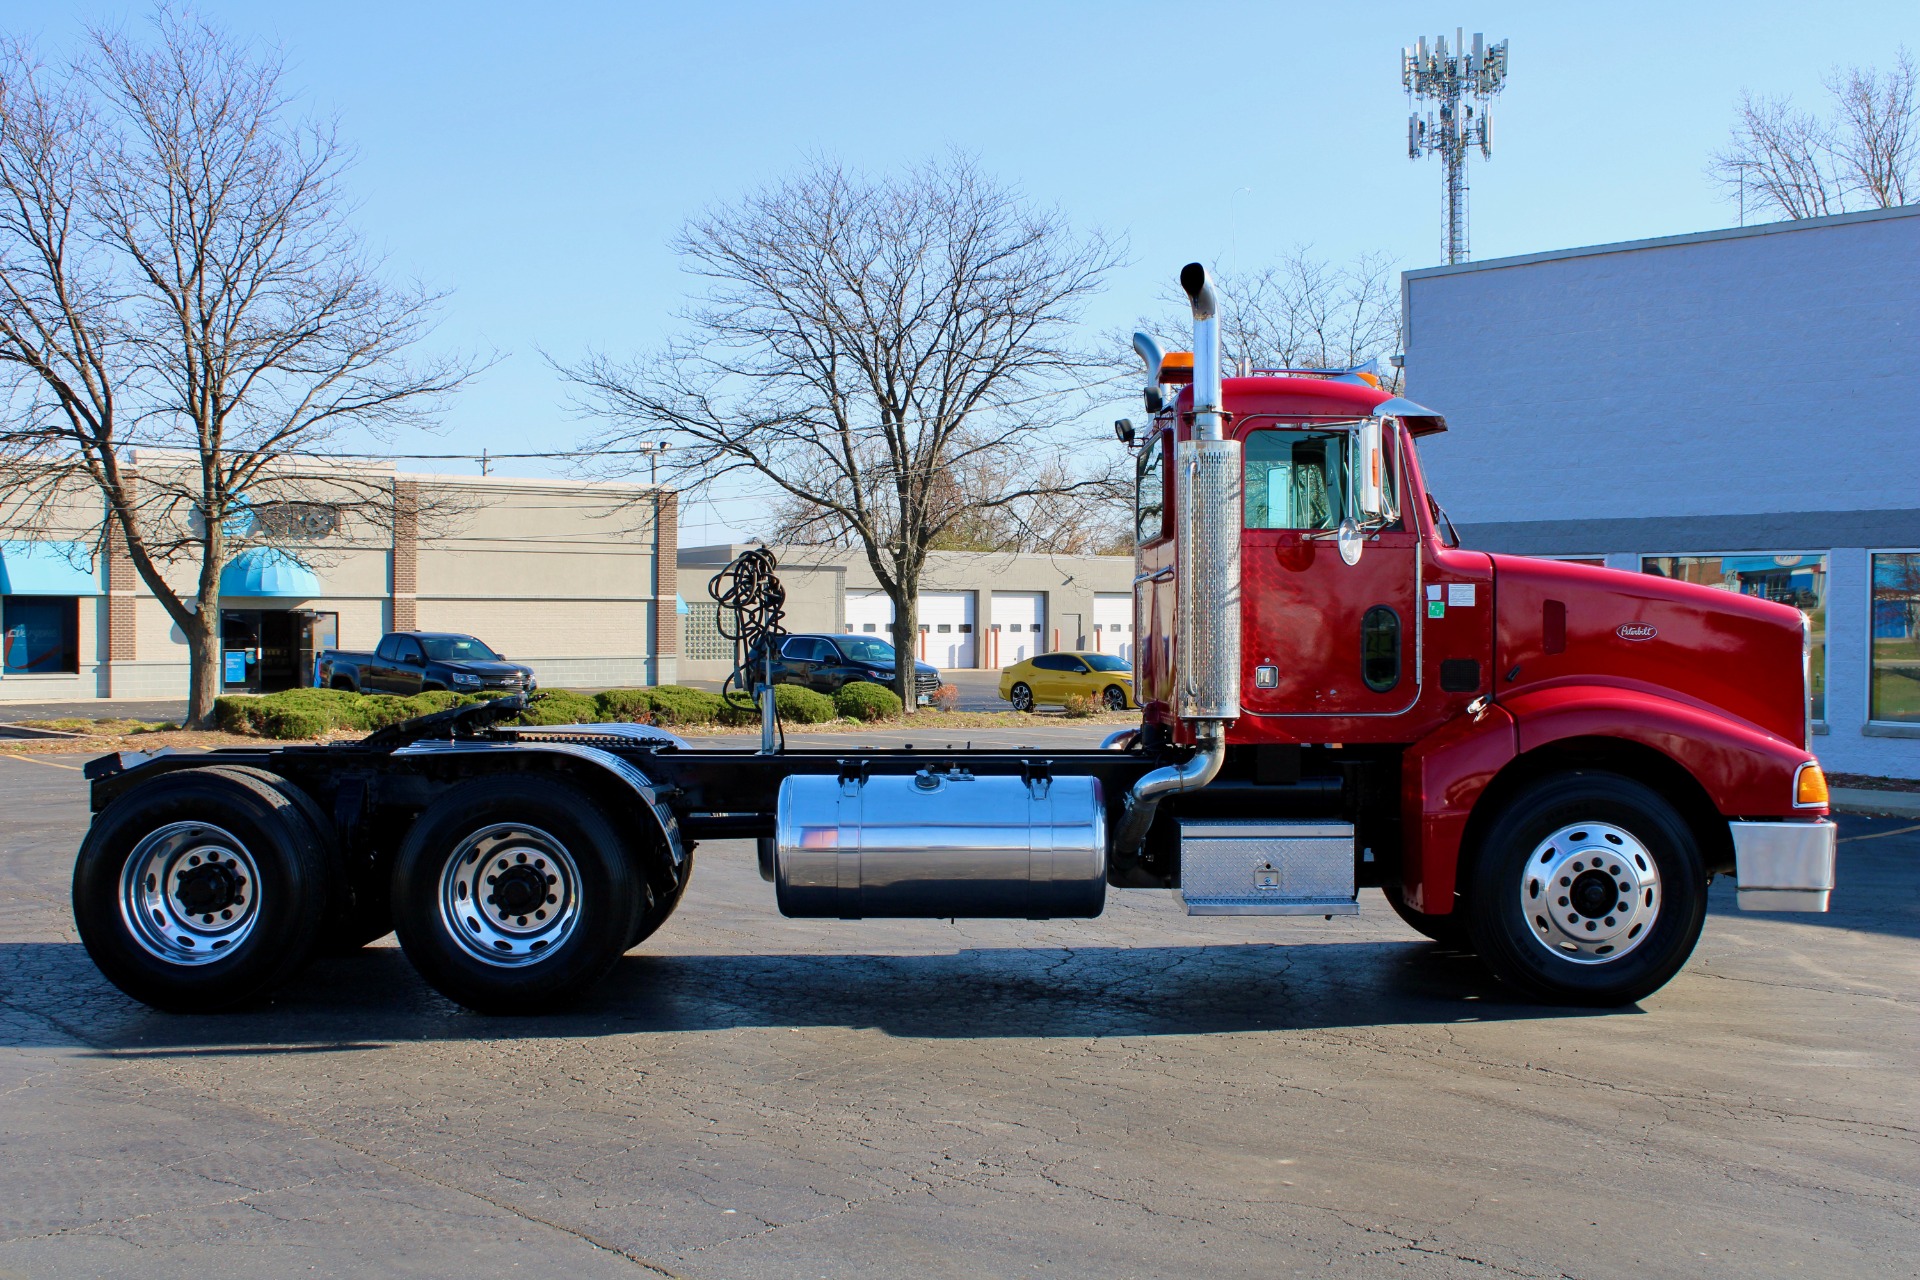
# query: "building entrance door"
267,650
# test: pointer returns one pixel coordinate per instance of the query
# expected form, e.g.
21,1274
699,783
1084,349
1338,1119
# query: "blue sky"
535,160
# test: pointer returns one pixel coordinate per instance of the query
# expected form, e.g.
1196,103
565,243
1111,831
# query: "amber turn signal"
1809,786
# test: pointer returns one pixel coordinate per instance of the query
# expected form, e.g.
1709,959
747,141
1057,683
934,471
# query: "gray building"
978,610
1734,408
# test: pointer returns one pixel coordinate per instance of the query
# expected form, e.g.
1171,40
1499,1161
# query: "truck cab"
1455,696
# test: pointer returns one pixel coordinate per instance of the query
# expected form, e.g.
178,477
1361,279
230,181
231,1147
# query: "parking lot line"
1877,835
51,764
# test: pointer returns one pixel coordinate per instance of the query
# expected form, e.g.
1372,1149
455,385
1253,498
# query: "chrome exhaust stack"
1206,657
1207,649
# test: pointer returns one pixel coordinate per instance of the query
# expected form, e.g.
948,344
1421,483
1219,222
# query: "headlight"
465,679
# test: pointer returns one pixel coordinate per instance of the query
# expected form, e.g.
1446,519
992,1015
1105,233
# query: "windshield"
457,649
861,649
1105,662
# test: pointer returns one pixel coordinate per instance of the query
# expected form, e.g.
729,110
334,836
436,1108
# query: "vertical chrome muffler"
1207,649
1206,656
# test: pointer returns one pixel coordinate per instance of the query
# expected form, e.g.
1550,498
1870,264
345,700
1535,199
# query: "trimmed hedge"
308,713
803,706
559,706
864,700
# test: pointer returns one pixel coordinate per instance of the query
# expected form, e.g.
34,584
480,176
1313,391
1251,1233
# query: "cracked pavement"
1139,1095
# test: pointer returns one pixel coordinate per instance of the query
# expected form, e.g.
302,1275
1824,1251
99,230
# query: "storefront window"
1800,581
39,634
1895,691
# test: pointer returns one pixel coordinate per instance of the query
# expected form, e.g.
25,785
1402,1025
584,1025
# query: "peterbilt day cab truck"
1543,763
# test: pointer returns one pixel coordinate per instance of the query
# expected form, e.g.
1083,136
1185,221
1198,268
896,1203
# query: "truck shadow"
374,998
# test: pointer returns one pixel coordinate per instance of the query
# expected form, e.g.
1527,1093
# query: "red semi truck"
1543,763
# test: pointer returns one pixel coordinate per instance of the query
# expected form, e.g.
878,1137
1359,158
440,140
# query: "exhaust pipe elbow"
1199,286
1144,797
1150,355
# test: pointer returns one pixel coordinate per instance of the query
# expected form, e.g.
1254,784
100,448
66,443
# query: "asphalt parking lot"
1138,1095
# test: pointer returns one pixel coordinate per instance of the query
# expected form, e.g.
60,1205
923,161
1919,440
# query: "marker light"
1809,786
1176,366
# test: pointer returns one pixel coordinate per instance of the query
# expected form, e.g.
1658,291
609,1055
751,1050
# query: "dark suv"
825,662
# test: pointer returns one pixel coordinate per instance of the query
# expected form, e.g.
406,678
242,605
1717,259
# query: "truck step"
1271,867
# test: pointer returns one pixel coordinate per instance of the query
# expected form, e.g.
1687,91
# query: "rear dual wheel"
515,894
202,890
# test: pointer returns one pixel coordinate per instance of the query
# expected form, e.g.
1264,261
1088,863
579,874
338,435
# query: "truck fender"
1443,776
1744,771
624,775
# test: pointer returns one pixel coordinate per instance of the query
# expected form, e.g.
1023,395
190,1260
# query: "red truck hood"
1737,654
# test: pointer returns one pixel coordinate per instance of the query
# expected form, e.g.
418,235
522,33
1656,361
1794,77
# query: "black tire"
1449,930
660,906
359,909
260,928
532,962
1619,907
1021,696
344,684
1115,697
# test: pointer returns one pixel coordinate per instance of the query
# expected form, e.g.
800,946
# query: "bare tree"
1303,312
177,274
886,357
1865,154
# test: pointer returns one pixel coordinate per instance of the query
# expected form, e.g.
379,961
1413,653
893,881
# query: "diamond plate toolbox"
1272,868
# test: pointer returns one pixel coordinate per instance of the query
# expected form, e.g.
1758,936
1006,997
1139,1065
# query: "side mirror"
414,660
1369,470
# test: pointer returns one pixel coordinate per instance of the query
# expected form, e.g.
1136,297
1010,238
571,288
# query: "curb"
1894,804
23,731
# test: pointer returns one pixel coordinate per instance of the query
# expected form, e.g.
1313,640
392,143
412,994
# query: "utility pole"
1447,77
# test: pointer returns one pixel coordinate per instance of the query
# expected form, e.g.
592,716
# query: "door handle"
1160,575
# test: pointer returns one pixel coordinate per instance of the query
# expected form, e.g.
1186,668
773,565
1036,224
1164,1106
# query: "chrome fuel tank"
941,844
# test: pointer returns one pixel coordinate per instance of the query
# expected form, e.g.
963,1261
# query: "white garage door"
1019,618
946,628
870,613
1113,623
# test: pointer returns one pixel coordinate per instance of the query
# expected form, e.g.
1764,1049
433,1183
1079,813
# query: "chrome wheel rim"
1022,697
1590,893
510,894
189,893
1116,699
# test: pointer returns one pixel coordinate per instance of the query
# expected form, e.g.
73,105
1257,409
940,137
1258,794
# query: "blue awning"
47,569
267,571
680,603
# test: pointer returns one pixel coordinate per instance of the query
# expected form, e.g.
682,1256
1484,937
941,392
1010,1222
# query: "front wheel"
1588,889
513,895
1115,697
1021,697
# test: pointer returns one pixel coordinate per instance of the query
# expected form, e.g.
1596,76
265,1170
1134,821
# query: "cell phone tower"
1449,78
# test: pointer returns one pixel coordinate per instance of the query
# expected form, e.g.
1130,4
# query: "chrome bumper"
1783,866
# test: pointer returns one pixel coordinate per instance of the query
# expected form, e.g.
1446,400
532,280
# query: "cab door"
1320,637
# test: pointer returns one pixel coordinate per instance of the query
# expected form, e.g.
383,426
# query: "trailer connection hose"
752,604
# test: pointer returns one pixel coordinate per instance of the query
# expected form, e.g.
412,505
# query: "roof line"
1667,242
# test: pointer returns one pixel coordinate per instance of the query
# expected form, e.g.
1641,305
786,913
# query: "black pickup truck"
409,662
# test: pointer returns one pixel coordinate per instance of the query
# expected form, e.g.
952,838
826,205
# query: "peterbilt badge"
1635,631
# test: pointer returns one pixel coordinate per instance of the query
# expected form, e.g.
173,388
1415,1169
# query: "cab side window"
1150,493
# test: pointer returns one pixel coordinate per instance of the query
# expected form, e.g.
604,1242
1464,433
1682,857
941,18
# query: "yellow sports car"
1052,678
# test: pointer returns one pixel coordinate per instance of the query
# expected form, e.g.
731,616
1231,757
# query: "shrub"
294,722
677,704
802,706
864,700
946,697
1079,706
625,704
559,706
